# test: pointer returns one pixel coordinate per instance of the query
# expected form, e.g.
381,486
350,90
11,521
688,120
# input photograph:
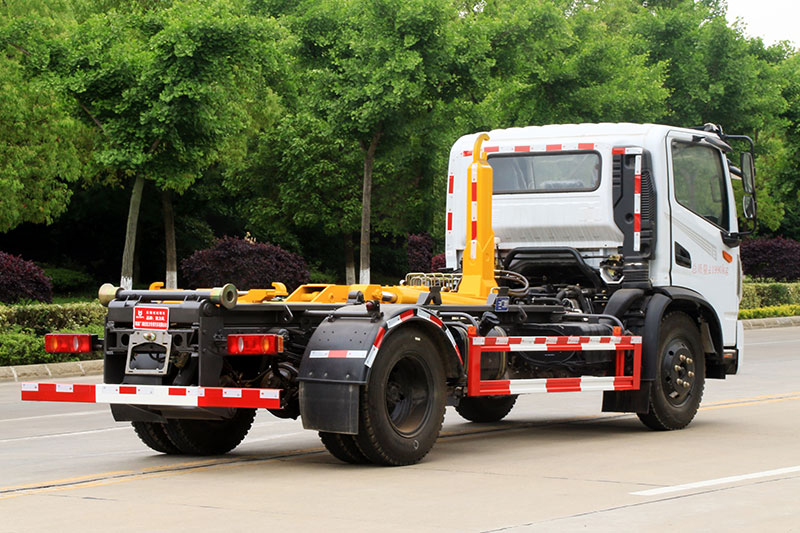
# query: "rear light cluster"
260,344
69,343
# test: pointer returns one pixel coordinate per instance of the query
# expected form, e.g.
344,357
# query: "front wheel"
680,377
402,405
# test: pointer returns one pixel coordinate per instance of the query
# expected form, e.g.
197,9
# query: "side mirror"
749,207
748,172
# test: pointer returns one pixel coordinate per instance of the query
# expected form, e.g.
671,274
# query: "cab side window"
700,181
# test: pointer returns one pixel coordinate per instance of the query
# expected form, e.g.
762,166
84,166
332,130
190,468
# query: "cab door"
702,206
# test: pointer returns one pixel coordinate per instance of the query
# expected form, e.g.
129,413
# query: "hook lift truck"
596,257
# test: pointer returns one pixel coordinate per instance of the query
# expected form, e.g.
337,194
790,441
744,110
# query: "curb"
51,370
95,368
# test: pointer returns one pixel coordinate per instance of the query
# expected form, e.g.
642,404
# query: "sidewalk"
95,368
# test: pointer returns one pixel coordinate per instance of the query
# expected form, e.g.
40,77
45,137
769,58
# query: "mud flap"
629,401
331,407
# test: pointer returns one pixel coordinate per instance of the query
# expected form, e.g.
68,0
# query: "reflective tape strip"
543,344
580,384
637,204
156,395
337,354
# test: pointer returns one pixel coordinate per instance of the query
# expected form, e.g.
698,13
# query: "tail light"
255,344
69,343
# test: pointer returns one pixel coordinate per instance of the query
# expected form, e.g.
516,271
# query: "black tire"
485,409
676,393
343,447
210,437
402,405
154,435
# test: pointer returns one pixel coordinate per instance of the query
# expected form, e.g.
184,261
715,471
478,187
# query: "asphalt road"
556,464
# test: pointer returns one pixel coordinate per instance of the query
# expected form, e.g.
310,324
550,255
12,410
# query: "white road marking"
790,341
273,437
718,481
79,413
57,435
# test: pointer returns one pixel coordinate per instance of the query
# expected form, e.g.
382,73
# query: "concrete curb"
95,368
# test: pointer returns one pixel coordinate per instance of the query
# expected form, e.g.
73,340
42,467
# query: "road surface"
555,464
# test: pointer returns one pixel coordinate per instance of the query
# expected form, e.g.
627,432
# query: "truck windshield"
542,172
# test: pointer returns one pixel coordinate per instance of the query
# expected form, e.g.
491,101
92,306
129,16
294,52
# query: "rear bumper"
152,395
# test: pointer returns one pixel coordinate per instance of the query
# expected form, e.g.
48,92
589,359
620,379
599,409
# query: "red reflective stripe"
553,147
435,320
563,385
213,397
467,153
474,191
127,389
450,180
449,221
585,146
637,185
407,314
474,229
379,338
618,151
522,148
637,222
489,149
47,393
337,354
499,387
177,391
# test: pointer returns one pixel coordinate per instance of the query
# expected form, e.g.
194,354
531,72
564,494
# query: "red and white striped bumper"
155,395
503,387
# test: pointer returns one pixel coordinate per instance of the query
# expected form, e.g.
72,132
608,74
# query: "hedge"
22,329
755,295
46,318
769,312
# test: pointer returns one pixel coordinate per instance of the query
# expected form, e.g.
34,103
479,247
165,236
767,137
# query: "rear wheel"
154,435
343,447
680,377
485,408
210,437
402,406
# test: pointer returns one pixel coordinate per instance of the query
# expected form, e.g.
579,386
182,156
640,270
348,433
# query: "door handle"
682,256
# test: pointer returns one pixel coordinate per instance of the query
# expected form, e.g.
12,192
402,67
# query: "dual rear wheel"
196,437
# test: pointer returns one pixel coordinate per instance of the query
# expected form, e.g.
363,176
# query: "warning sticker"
151,318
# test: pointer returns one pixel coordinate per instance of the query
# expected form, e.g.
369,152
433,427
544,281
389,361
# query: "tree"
162,86
372,66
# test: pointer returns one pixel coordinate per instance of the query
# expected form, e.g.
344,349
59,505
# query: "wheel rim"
409,395
678,372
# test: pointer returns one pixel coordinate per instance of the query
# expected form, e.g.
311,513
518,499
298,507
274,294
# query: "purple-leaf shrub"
248,265
777,258
438,262
420,252
23,280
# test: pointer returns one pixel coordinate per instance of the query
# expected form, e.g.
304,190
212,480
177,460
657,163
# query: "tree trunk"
349,260
126,278
169,235
366,207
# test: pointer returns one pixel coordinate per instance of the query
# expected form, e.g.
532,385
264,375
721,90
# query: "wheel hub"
678,372
408,396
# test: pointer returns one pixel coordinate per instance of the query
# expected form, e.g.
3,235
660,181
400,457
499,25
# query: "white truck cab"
604,208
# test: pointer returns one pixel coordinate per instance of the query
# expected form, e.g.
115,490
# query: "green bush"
21,347
42,318
770,311
755,295
67,280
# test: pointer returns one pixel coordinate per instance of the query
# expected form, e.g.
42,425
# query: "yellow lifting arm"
478,260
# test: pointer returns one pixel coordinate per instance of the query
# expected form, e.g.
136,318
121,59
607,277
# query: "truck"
583,257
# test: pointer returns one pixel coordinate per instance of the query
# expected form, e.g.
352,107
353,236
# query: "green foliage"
769,312
756,295
19,346
39,319
66,280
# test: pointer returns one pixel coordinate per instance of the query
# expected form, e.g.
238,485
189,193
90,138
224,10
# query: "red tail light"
69,343
254,344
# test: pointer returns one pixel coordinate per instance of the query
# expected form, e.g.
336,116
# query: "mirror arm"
731,240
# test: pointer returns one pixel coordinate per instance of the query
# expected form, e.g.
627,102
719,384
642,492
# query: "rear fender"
340,355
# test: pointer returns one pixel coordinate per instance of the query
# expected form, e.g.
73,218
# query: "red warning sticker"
151,318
